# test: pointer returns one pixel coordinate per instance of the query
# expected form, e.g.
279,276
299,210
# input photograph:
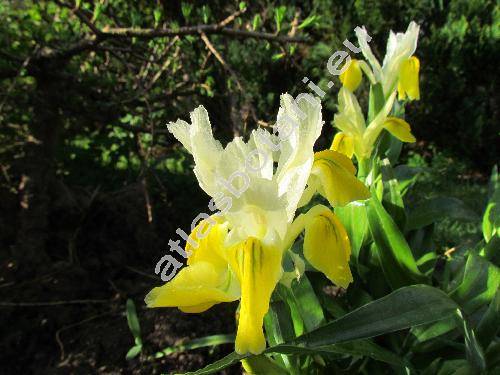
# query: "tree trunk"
38,176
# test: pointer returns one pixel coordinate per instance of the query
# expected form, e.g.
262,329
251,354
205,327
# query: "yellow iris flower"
240,257
355,137
399,69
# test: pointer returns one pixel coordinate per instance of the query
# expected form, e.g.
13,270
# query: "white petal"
198,139
363,38
299,125
400,47
180,131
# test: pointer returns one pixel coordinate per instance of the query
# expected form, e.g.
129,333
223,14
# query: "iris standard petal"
258,269
327,247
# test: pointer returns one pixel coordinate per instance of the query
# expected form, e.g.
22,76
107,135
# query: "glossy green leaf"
480,282
279,328
396,258
489,324
403,308
436,209
353,217
473,350
307,302
363,348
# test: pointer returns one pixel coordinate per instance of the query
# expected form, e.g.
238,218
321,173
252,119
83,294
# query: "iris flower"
240,247
399,70
355,136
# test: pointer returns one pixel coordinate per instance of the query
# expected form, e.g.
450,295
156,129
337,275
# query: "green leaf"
431,331
396,258
436,209
480,282
277,56
257,21
406,176
402,309
260,364
353,217
309,21
308,305
491,249
490,322
242,5
133,352
493,355
133,321
279,15
473,350
97,11
208,341
392,201
364,348
421,242
186,9
279,328
157,16
206,13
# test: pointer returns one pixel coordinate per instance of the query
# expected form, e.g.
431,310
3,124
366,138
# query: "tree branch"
126,32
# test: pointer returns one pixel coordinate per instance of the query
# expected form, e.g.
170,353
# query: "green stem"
363,168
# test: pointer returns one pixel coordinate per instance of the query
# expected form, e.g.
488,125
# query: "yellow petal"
351,78
327,248
344,144
195,289
400,129
336,175
210,239
259,269
408,79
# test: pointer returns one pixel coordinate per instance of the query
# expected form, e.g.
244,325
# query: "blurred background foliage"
91,180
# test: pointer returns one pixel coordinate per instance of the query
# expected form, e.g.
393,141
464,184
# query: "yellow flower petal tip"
337,180
344,144
400,129
258,269
327,248
352,76
408,84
